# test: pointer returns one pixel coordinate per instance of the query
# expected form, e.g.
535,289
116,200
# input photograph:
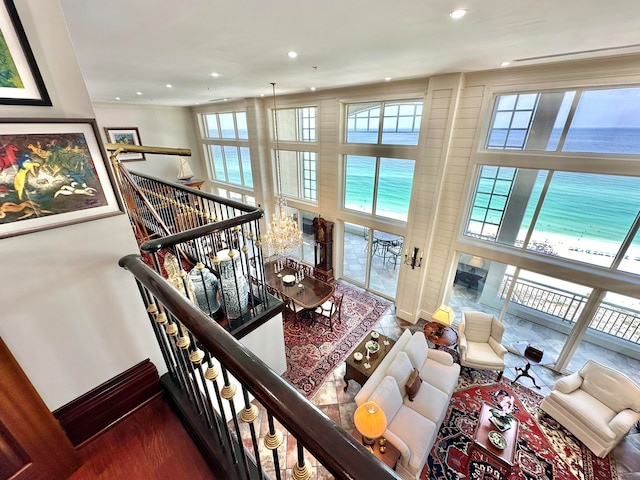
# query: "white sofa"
597,404
412,426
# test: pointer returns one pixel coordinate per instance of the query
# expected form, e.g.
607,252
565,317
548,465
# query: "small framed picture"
128,136
20,79
52,173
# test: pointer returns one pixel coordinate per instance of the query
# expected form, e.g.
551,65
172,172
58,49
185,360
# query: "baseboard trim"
98,409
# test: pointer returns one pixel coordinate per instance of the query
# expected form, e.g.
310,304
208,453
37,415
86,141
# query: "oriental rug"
313,351
545,450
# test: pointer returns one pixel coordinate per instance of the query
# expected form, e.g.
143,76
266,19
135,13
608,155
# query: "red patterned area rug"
545,450
314,351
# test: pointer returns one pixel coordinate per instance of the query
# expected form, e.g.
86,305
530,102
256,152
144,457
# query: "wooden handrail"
334,448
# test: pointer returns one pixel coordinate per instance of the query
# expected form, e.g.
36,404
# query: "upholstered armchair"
480,342
597,404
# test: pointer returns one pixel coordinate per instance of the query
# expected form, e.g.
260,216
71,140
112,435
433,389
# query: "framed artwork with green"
20,79
53,173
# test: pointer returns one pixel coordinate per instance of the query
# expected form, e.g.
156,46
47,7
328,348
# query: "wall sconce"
413,260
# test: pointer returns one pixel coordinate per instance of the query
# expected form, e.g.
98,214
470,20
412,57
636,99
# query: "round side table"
448,337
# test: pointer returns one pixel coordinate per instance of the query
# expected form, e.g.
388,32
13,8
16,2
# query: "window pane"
401,124
394,188
233,165
359,183
289,173
211,126
246,167
241,119
532,121
585,217
309,175
618,315
287,124
227,125
218,163
363,122
606,121
631,261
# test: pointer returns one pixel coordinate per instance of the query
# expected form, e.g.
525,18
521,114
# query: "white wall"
172,127
70,315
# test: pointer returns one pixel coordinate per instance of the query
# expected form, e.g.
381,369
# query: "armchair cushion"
481,355
569,383
588,410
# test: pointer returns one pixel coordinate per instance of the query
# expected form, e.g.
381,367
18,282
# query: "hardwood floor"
149,444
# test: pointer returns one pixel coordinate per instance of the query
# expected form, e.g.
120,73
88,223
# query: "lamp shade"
476,261
370,420
444,315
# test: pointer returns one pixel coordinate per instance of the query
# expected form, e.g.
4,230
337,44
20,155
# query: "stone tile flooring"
339,405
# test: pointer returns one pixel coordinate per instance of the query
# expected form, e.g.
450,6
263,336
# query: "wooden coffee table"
481,439
356,370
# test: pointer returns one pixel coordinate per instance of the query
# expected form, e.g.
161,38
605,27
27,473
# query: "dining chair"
290,262
292,310
329,310
307,269
394,254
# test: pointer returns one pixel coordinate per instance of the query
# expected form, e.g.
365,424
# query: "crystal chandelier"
283,234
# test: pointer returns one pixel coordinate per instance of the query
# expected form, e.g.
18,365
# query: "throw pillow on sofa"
413,384
388,397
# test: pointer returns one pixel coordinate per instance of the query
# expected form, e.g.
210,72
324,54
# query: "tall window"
298,165
586,216
602,121
298,175
380,185
227,146
384,123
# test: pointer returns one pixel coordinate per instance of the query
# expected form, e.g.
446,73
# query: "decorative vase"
205,285
235,288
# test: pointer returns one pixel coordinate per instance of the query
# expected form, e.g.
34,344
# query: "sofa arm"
440,356
497,347
569,384
623,421
397,442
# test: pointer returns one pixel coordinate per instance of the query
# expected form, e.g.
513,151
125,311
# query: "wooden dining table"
312,294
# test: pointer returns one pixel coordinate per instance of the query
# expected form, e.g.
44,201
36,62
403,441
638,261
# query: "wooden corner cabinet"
323,236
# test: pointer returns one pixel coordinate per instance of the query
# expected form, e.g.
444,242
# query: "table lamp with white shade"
444,316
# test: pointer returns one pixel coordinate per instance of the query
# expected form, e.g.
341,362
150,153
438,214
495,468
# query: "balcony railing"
616,320
211,376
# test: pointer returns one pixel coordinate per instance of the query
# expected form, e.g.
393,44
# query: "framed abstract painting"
52,173
128,136
20,79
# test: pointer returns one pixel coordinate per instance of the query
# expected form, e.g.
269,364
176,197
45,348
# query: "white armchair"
480,342
597,404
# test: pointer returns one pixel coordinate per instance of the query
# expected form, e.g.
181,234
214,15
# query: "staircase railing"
211,376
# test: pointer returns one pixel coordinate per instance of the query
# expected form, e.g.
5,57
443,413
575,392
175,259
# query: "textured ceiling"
129,46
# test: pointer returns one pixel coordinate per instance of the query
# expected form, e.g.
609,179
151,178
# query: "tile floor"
340,406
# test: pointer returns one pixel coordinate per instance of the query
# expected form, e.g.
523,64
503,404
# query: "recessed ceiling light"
292,54
459,13
138,93
262,94
387,79
215,75
168,85
506,63
313,89
117,98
